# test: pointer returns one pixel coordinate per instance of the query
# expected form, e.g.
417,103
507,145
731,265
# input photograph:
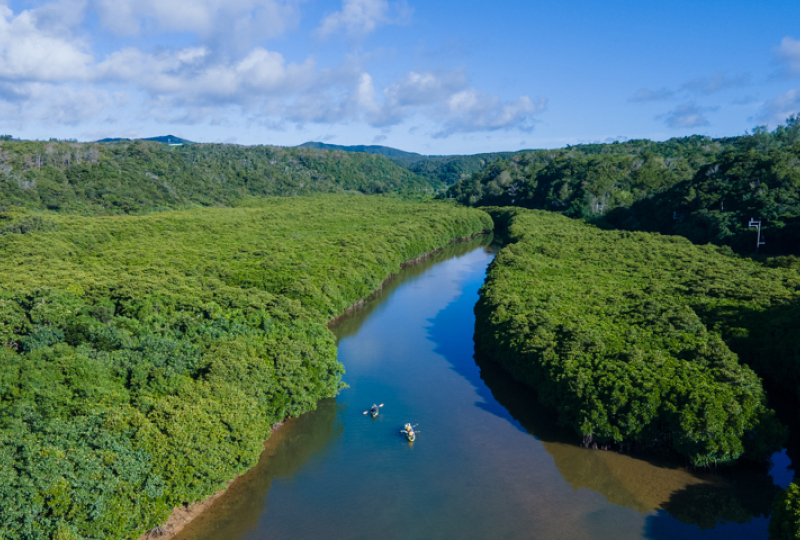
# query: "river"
488,461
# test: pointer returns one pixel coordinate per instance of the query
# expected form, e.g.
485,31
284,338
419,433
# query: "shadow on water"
288,449
350,323
480,479
643,483
458,349
660,486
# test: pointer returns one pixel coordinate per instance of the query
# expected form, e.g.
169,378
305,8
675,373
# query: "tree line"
636,338
145,358
134,177
702,188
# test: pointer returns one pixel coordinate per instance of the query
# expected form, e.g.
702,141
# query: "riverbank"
200,329
617,331
496,465
411,262
183,515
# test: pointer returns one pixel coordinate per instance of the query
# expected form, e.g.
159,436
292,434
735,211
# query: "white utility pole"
757,224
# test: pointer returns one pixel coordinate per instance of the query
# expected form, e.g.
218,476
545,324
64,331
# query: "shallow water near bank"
488,462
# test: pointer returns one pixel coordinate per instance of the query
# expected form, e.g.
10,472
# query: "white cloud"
776,111
361,17
718,81
49,74
416,90
60,16
51,104
688,115
424,88
701,85
336,97
238,19
645,94
32,48
788,53
191,75
471,110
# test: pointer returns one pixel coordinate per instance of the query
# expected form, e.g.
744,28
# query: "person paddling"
374,410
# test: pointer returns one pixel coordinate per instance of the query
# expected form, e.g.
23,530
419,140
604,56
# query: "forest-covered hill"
166,139
706,189
140,176
394,153
718,202
145,358
438,169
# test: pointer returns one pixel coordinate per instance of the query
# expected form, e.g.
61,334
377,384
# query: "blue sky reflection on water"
489,462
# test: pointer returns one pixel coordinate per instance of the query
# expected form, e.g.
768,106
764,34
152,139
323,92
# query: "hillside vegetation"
587,180
451,169
144,358
702,188
140,176
633,337
440,170
717,203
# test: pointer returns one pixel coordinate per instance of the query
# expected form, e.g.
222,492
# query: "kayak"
408,431
374,411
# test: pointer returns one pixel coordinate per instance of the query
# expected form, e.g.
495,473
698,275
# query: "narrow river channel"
488,461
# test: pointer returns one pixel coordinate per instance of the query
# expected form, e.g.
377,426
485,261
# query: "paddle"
379,406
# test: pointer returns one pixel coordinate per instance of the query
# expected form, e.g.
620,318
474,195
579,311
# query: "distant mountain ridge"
447,169
165,139
366,149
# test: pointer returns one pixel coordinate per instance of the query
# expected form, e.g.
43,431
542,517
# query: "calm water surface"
488,461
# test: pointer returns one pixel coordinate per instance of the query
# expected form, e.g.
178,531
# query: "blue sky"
431,77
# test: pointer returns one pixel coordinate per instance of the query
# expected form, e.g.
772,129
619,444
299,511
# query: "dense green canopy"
587,180
144,358
141,176
624,334
704,189
785,522
717,203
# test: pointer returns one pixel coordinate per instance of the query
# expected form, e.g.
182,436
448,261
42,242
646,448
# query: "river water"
488,461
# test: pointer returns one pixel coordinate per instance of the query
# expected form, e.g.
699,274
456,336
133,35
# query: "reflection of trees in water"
643,483
705,504
350,323
289,448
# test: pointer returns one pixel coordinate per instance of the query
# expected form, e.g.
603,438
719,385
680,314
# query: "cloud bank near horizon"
49,61
358,67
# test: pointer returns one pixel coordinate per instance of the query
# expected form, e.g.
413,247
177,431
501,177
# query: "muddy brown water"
489,462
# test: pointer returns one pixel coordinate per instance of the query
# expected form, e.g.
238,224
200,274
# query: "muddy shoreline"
183,515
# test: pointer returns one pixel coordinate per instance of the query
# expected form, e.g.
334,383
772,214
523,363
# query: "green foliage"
587,180
717,203
785,522
143,359
450,169
138,177
624,334
439,170
704,189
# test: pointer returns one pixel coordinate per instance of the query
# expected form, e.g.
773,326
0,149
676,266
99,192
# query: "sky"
435,77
